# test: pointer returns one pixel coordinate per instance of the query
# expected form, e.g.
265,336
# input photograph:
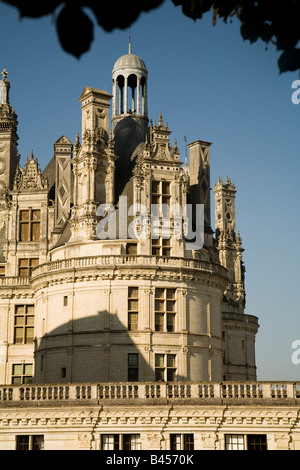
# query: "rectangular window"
133,308
160,202
29,442
24,324
2,271
257,442
133,367
110,442
131,249
26,265
21,374
131,442
234,442
120,442
65,301
181,441
165,367
29,225
161,193
161,246
165,309
247,442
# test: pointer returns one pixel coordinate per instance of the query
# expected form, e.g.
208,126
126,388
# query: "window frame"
234,441
182,441
25,326
132,313
28,266
121,441
165,318
161,246
32,441
25,378
160,210
246,442
133,368
161,196
261,445
31,222
163,372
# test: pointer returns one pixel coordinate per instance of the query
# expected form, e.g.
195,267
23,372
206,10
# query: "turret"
229,242
129,114
9,156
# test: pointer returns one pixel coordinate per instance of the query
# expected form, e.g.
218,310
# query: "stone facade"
151,416
102,282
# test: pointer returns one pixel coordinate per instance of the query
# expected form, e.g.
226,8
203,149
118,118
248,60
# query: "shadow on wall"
89,349
129,136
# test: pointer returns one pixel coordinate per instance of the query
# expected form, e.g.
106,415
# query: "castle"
114,287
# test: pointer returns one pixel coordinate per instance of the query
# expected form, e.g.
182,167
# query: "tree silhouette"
272,22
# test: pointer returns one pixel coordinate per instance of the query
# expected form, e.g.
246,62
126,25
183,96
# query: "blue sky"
211,85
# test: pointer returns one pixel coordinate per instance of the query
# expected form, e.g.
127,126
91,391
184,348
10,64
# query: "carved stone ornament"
31,178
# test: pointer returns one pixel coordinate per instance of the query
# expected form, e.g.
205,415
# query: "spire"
129,48
4,88
160,120
185,158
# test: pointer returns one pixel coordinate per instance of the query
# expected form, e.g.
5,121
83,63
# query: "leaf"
34,9
194,8
110,17
250,32
289,60
75,30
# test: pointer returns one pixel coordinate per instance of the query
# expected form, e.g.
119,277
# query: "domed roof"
129,61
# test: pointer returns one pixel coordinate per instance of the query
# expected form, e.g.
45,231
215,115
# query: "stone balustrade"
209,392
14,281
127,260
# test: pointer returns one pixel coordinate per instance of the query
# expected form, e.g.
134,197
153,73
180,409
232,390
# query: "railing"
14,281
127,260
235,392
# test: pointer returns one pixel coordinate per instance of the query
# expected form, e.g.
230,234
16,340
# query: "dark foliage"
272,22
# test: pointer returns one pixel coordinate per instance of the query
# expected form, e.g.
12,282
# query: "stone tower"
93,164
239,329
9,156
143,304
229,241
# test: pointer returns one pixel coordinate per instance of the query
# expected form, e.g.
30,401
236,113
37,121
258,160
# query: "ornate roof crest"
30,178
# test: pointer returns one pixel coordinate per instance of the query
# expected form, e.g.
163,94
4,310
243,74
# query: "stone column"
145,111
125,94
138,96
115,97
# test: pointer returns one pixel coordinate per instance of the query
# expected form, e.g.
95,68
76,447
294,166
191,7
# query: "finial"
185,158
160,121
129,49
4,75
77,142
238,239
